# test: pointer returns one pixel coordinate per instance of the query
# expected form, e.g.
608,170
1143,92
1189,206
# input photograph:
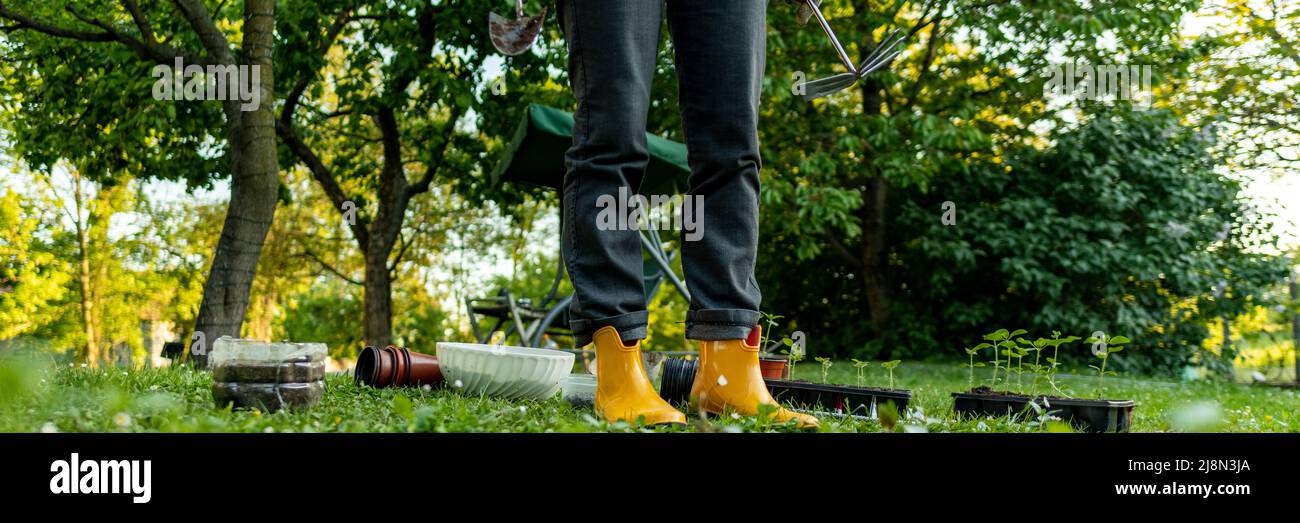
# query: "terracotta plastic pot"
401,367
396,367
773,368
422,369
372,365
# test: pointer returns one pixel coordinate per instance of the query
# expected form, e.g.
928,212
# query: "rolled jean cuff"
720,324
630,326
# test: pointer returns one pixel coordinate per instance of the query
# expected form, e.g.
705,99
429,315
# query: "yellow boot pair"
728,378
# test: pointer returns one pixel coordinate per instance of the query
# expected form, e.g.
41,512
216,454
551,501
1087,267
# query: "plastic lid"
232,351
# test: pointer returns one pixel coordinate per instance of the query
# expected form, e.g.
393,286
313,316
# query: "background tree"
1244,80
377,114
82,91
1122,226
969,85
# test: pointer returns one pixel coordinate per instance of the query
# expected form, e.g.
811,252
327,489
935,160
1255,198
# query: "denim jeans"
720,55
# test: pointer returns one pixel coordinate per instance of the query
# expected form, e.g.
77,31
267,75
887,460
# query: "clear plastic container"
267,376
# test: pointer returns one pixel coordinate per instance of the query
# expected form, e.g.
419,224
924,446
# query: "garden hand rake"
878,57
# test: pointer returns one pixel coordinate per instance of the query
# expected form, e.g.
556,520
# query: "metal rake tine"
886,45
825,86
866,70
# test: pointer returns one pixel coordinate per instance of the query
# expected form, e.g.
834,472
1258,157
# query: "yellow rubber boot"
623,392
729,378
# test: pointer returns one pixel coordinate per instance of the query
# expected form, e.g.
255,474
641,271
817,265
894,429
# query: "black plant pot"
676,378
844,399
679,374
1084,415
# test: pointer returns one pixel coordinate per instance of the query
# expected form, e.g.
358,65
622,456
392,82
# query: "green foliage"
1123,225
91,103
1060,223
1007,344
32,279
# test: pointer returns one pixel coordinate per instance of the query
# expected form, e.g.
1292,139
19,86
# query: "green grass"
35,398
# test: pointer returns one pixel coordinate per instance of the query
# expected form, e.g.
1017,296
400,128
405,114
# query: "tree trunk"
1226,350
254,187
874,269
378,296
90,356
1295,324
874,199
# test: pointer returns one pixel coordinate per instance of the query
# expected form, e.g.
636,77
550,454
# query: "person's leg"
721,50
612,49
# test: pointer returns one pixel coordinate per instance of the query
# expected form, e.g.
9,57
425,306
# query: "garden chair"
535,156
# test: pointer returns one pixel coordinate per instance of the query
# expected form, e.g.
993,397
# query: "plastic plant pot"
284,372
1083,414
267,376
268,397
579,390
772,367
676,379
843,399
401,367
396,366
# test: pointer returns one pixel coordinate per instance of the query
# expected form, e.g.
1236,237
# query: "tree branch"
214,41
330,268
149,49
291,100
25,22
842,251
432,170
324,176
141,21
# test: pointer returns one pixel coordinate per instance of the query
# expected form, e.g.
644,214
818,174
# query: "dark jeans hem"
720,324
630,326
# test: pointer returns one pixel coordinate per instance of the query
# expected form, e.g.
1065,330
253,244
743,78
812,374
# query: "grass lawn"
179,400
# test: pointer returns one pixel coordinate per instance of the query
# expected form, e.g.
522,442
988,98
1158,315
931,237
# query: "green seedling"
770,319
1013,350
999,338
972,352
1052,363
826,368
860,366
794,354
890,366
1102,348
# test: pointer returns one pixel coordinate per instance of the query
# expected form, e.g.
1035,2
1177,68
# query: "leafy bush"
1124,224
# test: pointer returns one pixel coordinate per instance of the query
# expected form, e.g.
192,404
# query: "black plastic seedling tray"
678,375
1083,414
856,401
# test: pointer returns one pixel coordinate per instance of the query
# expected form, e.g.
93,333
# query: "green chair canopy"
536,154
